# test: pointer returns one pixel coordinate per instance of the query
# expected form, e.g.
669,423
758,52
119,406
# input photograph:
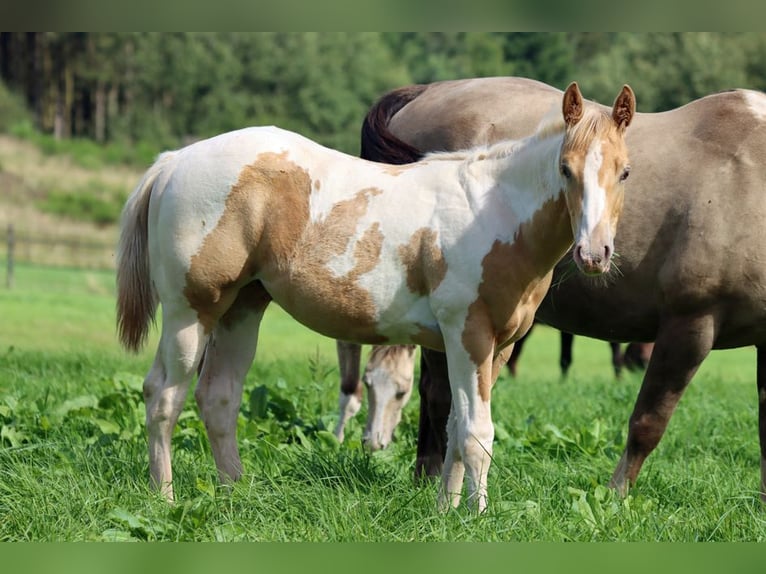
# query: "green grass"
73,462
86,152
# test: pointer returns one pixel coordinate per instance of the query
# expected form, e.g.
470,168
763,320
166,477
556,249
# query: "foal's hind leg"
166,387
682,344
761,378
228,357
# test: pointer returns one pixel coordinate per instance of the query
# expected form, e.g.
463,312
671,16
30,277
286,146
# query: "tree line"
171,88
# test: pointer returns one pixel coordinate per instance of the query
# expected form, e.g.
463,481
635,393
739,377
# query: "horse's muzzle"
592,261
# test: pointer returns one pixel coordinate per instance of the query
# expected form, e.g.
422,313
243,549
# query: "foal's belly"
342,309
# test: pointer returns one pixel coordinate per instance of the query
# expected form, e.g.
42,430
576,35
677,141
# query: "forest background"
136,94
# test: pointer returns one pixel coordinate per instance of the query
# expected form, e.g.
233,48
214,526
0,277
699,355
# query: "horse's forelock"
593,122
380,352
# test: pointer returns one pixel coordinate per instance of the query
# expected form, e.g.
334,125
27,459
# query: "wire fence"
41,249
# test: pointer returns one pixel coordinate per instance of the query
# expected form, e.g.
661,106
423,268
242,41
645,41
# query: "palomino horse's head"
593,167
388,377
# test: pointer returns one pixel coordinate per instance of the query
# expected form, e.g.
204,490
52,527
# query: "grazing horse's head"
593,167
388,377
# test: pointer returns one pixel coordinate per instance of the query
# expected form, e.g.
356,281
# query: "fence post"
11,249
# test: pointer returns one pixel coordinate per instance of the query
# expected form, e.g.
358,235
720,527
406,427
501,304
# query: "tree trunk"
100,114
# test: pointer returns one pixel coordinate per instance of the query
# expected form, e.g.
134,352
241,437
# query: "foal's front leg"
469,429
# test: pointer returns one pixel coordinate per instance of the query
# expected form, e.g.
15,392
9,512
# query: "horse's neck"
523,180
529,185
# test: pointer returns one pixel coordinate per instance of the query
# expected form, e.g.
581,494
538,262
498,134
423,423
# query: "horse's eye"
565,171
400,395
625,173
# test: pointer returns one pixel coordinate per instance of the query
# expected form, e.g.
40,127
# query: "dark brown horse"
691,241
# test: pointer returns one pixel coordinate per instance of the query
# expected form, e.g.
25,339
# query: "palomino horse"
453,253
691,240
388,376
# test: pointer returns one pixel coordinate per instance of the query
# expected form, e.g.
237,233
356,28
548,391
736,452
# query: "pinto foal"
454,252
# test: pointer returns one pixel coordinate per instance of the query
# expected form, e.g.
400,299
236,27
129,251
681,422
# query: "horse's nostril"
607,252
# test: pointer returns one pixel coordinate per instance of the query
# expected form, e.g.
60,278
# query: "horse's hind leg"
761,378
565,359
228,356
617,358
350,399
166,387
682,344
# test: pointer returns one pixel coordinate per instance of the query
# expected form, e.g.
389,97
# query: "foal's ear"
572,106
624,107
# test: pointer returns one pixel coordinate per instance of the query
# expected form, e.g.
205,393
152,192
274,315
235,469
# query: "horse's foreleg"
682,344
350,397
453,470
761,380
435,401
469,431
165,389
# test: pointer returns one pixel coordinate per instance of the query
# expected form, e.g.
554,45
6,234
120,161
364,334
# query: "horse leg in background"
350,398
761,380
435,401
228,356
565,359
166,386
617,358
637,355
516,353
682,344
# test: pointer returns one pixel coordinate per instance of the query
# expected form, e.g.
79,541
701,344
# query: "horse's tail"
136,299
378,143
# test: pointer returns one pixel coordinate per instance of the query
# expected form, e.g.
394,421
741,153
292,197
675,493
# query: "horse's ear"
624,107
572,106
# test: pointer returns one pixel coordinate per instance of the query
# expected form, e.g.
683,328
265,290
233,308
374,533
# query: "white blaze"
594,196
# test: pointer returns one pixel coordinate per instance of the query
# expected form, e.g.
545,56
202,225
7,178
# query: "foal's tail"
136,299
378,143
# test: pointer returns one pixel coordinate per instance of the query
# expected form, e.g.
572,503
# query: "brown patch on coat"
316,295
265,229
423,261
515,278
395,170
269,201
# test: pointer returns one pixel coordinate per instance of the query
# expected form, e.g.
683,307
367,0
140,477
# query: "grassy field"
73,462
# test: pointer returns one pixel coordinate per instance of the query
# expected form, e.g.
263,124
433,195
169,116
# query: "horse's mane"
380,352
